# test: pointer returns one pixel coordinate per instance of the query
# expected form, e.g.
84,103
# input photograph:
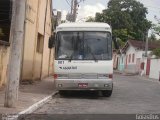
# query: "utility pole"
75,10
72,4
16,39
146,45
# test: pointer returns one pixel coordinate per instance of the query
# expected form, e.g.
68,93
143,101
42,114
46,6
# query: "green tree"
63,21
127,18
156,27
152,37
156,52
90,19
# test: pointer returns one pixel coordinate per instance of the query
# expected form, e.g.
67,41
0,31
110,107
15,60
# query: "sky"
90,7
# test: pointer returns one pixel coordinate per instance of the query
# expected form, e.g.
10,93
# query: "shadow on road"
82,95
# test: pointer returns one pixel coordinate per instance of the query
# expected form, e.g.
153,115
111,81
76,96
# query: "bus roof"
85,26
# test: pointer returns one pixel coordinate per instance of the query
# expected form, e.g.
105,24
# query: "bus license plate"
82,85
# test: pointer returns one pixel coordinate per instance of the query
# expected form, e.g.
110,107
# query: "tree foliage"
152,37
156,27
157,52
63,21
90,19
127,18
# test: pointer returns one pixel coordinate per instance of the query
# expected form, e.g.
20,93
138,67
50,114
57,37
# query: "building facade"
132,59
37,61
5,21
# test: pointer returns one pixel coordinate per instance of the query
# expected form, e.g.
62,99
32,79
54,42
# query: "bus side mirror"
51,42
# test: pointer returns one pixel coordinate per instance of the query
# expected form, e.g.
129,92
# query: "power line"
148,3
68,3
152,7
74,8
155,11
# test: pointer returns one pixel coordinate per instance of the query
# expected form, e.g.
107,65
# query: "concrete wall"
143,71
42,11
47,52
4,55
155,68
131,65
139,60
140,54
30,39
37,32
35,64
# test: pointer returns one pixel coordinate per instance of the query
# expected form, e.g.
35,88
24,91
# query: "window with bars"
40,43
129,58
5,20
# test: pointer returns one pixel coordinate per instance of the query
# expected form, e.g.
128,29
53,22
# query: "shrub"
157,52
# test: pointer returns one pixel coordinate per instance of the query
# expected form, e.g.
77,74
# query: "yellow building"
37,61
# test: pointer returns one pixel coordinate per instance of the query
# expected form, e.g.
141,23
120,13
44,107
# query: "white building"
132,58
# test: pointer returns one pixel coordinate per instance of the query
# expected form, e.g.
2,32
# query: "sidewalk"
28,95
124,73
137,75
148,79
117,72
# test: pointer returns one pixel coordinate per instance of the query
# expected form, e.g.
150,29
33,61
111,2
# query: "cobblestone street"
132,95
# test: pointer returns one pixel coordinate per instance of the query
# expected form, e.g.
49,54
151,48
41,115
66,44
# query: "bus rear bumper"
80,84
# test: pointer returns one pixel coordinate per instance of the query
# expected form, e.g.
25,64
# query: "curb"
125,74
149,79
32,108
117,72
129,74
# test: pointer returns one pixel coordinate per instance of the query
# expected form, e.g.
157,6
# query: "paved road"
131,95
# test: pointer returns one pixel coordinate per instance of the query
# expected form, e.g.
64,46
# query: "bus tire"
107,93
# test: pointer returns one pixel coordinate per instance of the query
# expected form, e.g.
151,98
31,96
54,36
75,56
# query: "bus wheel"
107,93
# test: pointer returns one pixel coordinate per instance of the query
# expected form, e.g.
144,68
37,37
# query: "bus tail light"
55,76
111,76
60,76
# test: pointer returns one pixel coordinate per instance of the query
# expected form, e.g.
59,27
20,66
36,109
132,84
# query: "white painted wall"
131,66
155,68
139,53
131,50
143,72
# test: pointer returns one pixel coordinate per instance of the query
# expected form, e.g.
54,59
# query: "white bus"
83,57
